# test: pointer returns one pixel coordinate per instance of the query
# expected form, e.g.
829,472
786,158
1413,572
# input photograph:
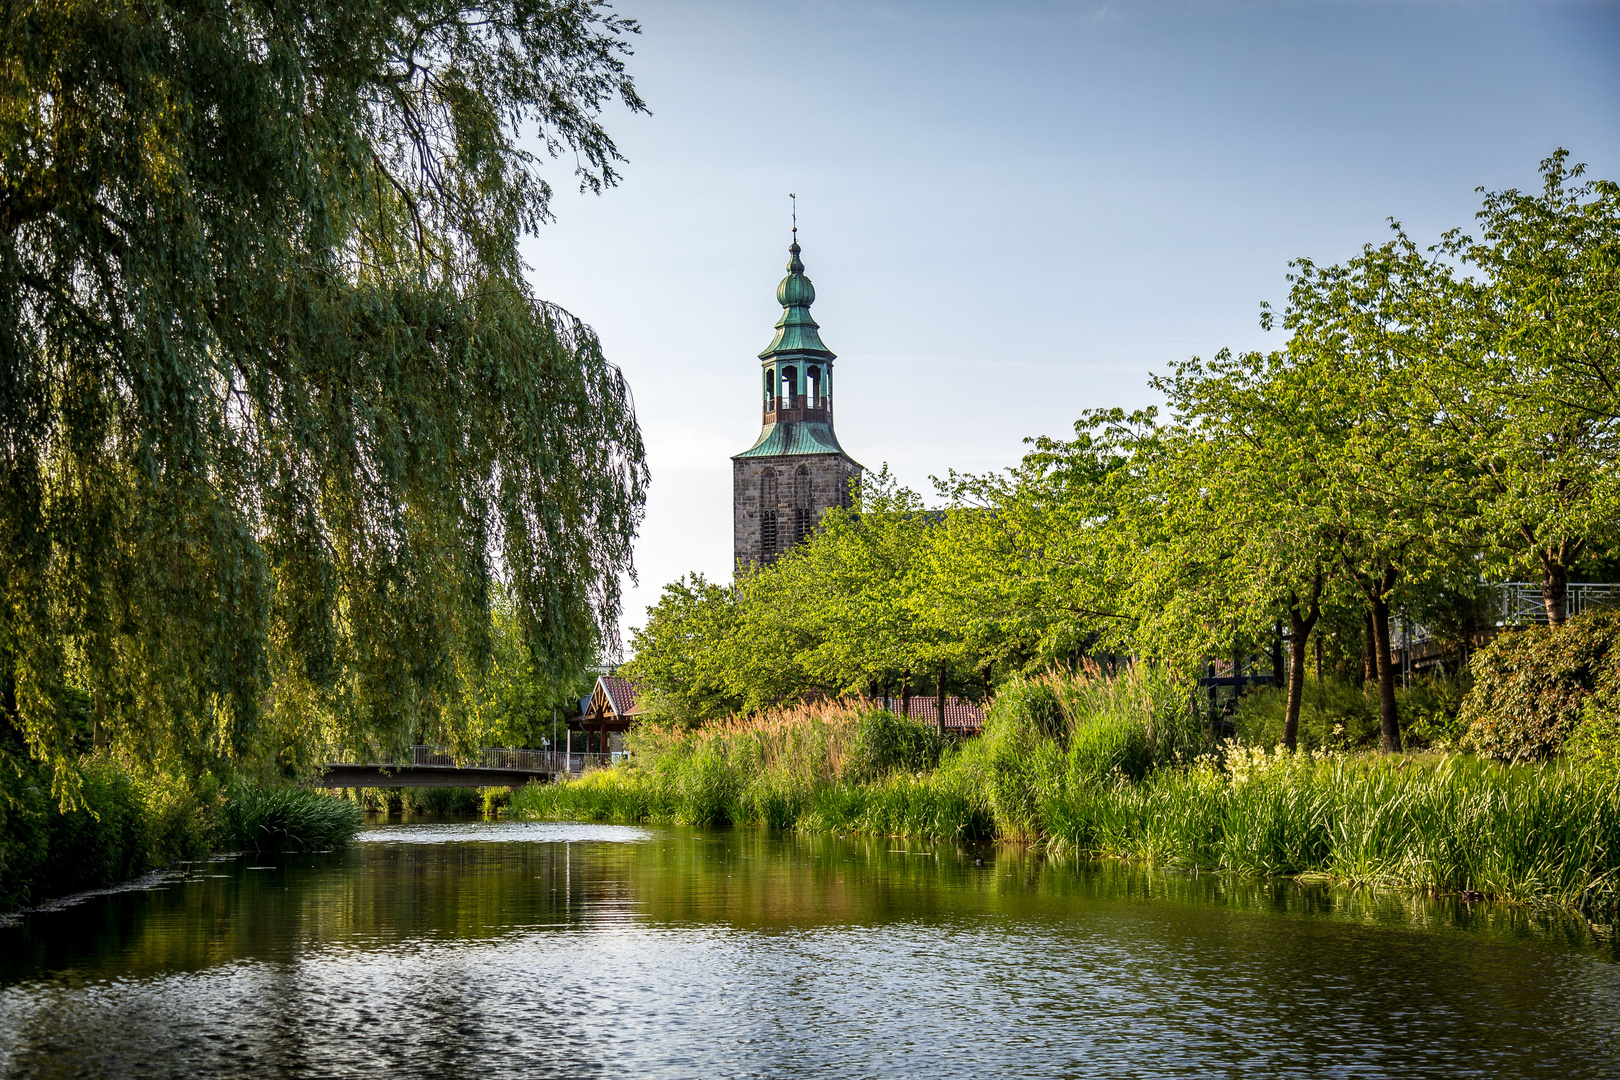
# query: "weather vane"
795,199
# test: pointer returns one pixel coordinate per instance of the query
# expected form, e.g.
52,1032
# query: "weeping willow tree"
278,413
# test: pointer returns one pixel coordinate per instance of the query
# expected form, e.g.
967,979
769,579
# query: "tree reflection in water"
533,950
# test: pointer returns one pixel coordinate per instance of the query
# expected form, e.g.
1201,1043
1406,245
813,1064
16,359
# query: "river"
503,949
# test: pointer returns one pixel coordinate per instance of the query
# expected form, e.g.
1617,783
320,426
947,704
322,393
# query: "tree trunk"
1300,625
905,695
939,699
1389,723
1369,654
1277,654
1554,590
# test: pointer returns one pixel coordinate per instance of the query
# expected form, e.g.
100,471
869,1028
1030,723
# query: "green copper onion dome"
796,331
795,288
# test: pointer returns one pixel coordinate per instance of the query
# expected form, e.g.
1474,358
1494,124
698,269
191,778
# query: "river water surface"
451,950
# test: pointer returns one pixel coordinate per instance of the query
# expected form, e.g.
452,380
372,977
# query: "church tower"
795,470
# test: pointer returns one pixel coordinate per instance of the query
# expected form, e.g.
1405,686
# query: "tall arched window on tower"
770,390
767,516
801,503
812,387
790,387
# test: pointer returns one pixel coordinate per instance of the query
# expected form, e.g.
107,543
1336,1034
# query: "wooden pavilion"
609,711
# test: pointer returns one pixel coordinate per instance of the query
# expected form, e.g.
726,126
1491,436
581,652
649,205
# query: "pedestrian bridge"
440,766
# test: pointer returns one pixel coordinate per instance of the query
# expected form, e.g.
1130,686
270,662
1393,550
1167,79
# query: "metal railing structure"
530,761
1413,646
1520,602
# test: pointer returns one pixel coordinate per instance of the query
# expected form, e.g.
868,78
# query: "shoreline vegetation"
125,823
1091,767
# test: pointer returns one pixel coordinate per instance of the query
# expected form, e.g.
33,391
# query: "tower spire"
794,265
795,471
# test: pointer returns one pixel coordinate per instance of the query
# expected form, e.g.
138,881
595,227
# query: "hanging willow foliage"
277,410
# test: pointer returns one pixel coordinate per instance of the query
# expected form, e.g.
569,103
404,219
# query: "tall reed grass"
1543,833
280,817
833,766
1122,767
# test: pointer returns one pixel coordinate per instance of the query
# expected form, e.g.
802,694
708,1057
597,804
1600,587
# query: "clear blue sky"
1013,212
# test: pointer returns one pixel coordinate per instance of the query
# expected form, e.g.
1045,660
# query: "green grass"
1095,771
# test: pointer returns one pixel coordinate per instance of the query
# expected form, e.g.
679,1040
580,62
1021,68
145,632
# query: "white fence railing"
1520,601
536,761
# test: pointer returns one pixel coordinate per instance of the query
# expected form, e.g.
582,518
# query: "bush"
125,821
104,839
1031,704
1531,686
122,824
1596,739
278,817
1128,724
885,742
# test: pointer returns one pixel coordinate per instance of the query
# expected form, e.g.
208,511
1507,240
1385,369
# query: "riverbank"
125,823
1118,787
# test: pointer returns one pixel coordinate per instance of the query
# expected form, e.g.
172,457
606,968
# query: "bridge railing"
538,761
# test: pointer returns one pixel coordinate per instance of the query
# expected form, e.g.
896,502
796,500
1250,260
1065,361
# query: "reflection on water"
507,949
533,832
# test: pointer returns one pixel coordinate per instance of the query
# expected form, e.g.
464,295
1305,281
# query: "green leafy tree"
516,701
1246,504
1532,391
277,409
1398,499
682,658
854,581
1030,564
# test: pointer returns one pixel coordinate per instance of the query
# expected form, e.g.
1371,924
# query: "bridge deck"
436,766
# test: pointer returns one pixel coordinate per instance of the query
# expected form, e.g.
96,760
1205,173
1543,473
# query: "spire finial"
794,265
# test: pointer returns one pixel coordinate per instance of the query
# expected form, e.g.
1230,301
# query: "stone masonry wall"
830,476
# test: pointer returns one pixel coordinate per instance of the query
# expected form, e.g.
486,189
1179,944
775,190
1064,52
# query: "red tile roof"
966,715
621,694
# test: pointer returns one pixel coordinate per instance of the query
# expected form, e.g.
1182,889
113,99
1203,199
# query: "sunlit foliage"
278,412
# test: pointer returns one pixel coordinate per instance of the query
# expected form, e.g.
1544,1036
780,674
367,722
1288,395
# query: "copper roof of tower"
784,440
797,334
